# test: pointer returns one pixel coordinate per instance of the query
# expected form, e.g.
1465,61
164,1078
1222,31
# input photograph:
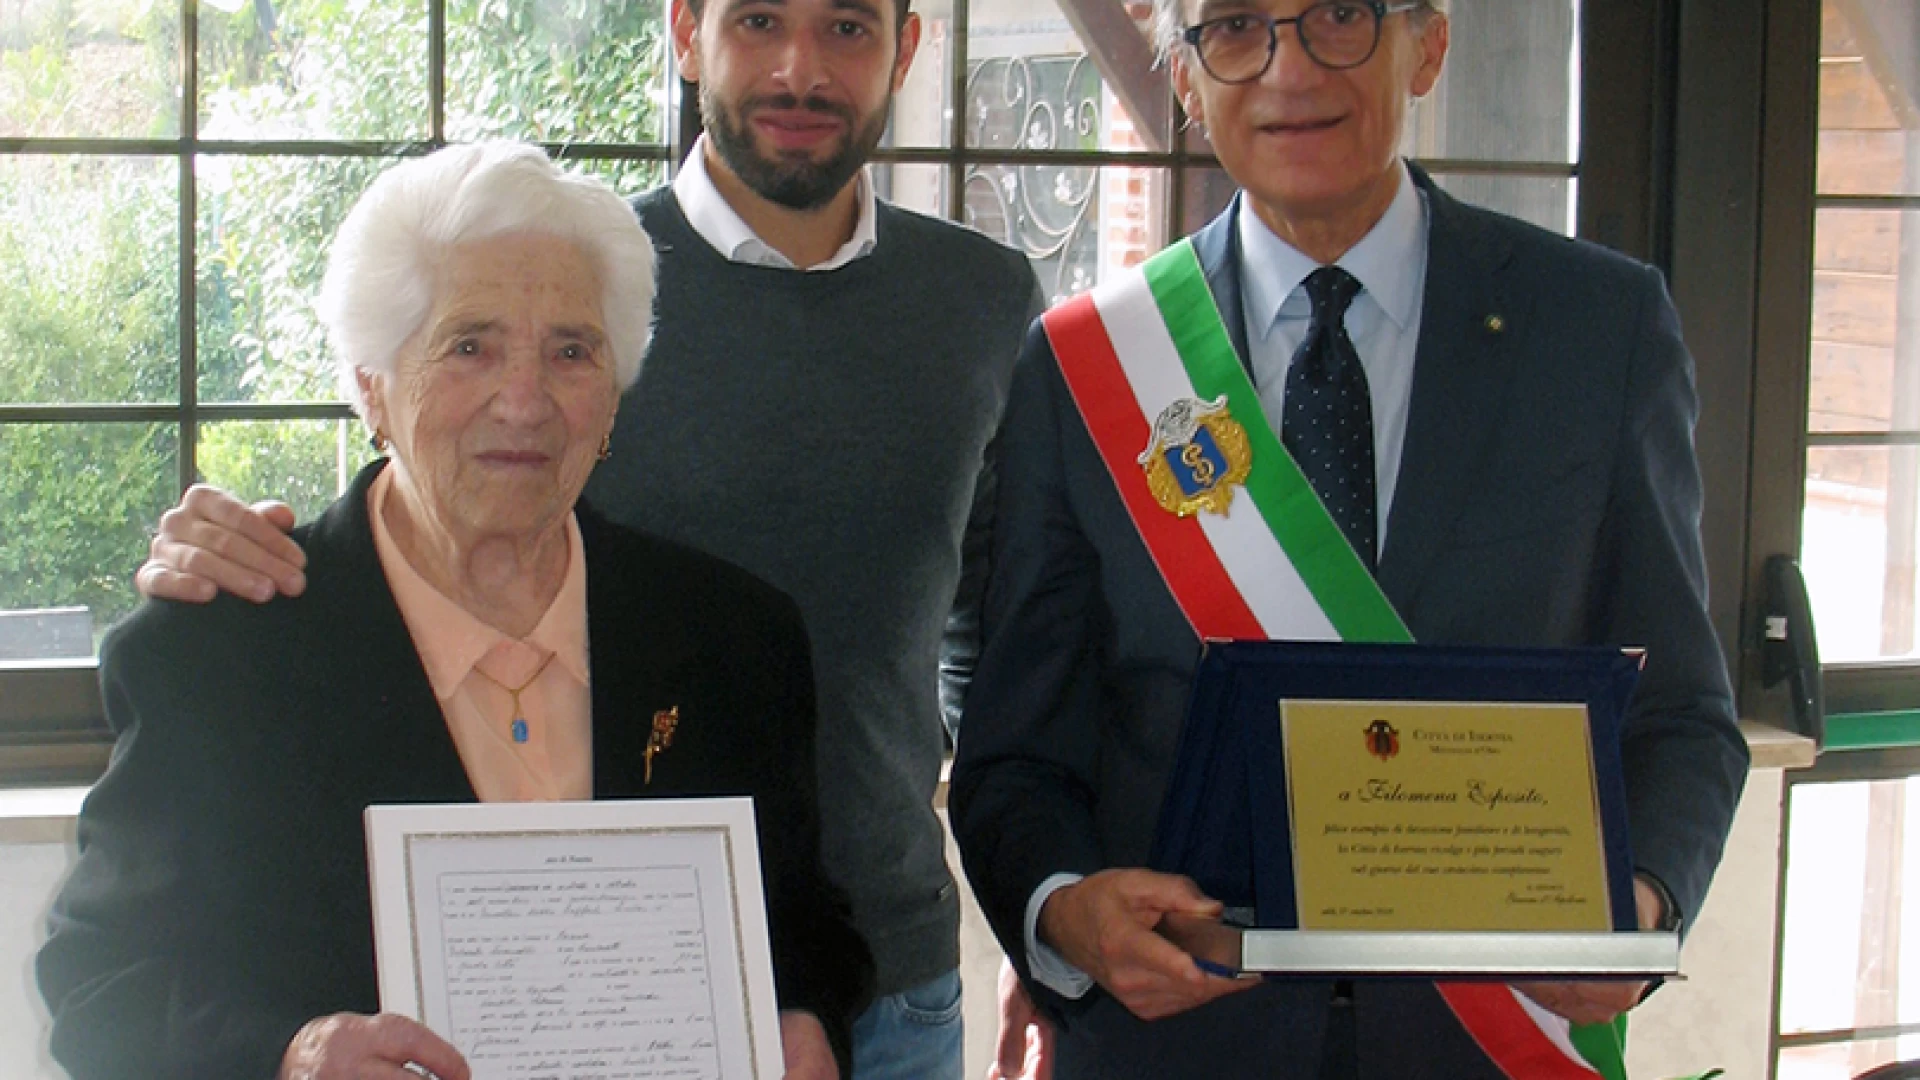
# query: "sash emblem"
1197,453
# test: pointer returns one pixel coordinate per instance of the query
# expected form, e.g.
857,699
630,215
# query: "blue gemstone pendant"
519,729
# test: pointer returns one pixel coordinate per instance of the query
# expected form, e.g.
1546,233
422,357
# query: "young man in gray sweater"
817,406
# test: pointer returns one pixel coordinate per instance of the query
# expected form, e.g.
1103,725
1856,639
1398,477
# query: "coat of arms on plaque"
1383,741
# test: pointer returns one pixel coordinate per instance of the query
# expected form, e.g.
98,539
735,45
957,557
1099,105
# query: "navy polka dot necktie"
1328,426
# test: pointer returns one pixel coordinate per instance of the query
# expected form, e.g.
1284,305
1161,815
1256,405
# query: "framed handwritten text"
594,940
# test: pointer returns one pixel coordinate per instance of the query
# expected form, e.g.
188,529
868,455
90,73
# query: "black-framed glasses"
1336,34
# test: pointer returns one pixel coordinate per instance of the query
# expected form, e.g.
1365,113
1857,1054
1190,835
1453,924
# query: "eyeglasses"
1336,34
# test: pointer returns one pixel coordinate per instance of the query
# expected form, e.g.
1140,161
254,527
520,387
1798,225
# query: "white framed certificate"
594,940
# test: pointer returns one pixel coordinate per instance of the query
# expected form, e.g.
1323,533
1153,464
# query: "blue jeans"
913,1035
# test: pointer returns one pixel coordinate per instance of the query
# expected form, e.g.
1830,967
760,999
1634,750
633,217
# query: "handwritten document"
602,974
591,941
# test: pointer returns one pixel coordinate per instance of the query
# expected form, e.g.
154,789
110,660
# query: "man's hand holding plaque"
1104,925
1590,1002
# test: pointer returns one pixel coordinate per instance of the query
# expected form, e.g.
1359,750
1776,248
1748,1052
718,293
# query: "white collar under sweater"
717,223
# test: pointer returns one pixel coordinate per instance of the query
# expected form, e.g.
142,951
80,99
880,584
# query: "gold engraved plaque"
1417,816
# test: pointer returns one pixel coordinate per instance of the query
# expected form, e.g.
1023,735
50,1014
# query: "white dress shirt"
1390,263
719,225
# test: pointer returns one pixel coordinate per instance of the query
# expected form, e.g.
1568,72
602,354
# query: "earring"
380,443
606,446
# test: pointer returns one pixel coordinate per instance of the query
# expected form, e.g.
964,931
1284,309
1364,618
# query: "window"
1840,359
160,259
1067,144
1823,465
170,174
1863,414
1847,380
1850,963
156,316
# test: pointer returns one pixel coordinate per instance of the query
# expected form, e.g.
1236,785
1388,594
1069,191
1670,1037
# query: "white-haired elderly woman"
487,310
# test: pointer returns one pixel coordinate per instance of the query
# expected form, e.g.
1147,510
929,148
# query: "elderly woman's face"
500,401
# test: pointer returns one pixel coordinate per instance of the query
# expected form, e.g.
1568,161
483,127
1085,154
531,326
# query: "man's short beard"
798,184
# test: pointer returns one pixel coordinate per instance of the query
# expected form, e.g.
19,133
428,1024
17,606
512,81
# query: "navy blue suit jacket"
1548,495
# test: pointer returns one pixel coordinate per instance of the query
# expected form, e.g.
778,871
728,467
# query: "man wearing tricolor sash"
1351,408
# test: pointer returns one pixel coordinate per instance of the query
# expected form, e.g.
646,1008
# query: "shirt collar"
722,227
449,639
1389,262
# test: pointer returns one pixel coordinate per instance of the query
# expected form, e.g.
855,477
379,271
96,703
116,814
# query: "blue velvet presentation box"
1226,823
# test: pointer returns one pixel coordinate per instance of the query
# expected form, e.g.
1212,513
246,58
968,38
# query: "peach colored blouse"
460,652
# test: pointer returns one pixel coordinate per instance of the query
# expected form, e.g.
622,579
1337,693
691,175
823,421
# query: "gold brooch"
665,723
1197,453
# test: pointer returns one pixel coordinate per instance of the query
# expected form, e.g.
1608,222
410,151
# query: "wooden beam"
1876,987
1889,35
1125,61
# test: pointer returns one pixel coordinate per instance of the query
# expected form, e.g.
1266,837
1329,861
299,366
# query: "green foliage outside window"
89,246
88,304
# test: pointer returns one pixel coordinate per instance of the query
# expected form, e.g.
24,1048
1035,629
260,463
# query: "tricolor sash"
1247,549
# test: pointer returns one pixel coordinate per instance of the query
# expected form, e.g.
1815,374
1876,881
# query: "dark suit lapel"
637,658
396,724
1463,371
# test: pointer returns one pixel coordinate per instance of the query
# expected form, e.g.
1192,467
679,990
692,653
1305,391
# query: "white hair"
1169,19
379,285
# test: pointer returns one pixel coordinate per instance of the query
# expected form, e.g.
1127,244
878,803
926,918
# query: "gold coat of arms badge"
1197,454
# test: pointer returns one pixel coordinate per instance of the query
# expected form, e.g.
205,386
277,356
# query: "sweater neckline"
684,240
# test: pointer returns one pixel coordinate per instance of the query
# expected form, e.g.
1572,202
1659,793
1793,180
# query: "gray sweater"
829,432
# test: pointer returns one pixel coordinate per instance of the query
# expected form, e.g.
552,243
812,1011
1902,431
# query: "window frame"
1736,168
1788,201
1787,204
52,726
1849,766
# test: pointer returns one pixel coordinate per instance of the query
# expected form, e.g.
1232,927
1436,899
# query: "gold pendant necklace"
518,729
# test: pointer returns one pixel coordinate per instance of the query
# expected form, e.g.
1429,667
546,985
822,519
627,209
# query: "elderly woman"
486,310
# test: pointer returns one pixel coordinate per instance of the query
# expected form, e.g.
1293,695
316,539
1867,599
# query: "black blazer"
1548,495
221,901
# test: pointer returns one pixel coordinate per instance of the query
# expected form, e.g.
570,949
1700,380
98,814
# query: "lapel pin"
1495,324
665,723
